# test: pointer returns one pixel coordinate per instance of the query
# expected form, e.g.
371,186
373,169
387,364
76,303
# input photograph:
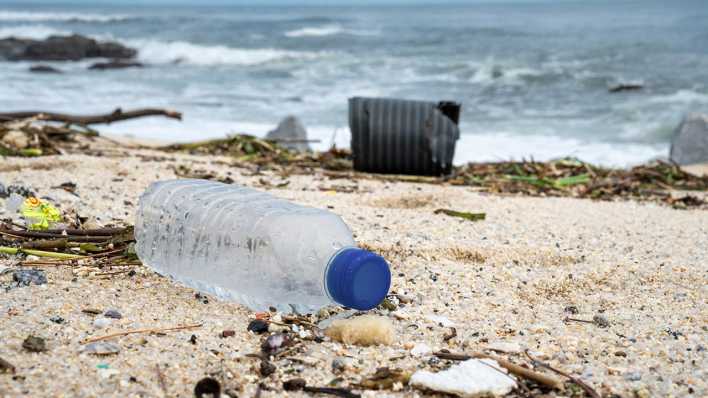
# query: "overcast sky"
267,2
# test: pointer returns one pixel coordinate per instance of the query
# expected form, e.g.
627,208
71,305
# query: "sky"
268,2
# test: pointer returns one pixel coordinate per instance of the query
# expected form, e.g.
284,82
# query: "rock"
101,323
441,320
228,333
625,87
62,48
290,134
471,378
16,139
44,69
101,348
26,277
275,342
267,368
258,326
57,319
114,314
115,64
601,321
689,144
34,344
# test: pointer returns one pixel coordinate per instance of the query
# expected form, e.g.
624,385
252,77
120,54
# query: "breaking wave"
184,52
31,32
326,30
58,16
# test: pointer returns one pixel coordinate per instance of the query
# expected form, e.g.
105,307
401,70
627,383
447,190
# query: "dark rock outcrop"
690,142
115,64
62,48
618,88
290,134
44,69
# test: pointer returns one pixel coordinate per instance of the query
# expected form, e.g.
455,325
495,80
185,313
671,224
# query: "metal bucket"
403,137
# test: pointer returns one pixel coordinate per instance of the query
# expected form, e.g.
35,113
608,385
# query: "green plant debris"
39,253
462,214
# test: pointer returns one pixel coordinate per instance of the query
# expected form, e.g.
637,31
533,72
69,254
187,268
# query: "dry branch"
115,116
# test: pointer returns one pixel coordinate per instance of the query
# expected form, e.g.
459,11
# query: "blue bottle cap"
357,278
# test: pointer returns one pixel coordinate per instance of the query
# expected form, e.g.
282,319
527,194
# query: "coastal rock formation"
115,64
44,69
62,48
690,142
291,134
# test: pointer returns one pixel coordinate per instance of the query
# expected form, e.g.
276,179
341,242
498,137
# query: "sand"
506,282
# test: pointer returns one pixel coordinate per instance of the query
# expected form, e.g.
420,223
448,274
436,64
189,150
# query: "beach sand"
506,282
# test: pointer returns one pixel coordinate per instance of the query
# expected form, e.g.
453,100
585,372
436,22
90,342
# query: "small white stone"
471,378
101,323
438,319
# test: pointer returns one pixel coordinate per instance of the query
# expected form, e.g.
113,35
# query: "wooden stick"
47,235
589,390
136,331
520,371
88,232
115,116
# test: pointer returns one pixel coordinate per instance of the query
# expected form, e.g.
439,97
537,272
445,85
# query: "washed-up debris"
26,277
34,344
471,378
505,347
113,314
258,326
385,379
228,333
101,348
362,330
207,386
91,311
301,385
6,367
654,181
462,214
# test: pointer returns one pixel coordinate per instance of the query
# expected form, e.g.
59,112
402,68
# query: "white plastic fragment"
421,349
471,378
101,323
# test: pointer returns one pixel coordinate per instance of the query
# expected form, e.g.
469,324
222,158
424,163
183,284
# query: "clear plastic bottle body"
238,243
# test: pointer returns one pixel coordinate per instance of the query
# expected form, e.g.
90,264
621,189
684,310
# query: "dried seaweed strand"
136,331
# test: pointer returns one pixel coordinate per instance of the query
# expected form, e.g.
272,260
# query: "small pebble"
275,342
633,376
57,319
387,304
101,348
114,314
258,326
228,333
101,323
267,368
571,309
193,339
26,277
601,321
620,354
34,344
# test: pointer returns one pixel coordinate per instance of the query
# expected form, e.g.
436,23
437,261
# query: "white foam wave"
31,32
682,96
315,31
153,51
57,16
327,30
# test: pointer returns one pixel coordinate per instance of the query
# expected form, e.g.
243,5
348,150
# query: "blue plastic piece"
357,278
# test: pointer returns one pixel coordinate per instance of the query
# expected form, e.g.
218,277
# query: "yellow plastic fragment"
39,214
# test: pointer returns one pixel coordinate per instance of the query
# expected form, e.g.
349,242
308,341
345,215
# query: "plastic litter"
471,378
248,246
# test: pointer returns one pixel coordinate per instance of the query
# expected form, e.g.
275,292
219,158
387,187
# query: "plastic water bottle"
248,246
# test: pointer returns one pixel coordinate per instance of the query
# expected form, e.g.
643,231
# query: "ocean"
533,78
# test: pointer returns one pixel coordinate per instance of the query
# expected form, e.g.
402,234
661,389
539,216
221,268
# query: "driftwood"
115,116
